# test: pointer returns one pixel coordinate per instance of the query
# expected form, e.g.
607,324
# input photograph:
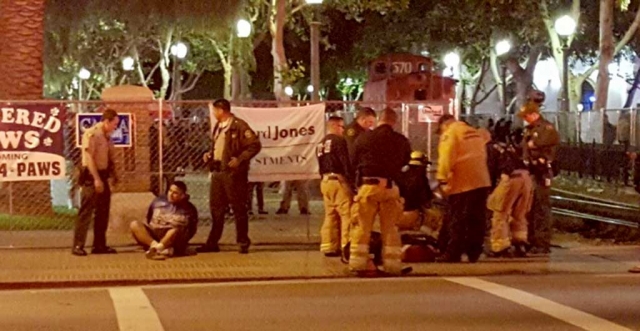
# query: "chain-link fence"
164,141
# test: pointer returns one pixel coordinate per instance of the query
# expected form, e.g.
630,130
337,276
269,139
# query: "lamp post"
565,26
243,30
83,74
315,52
452,61
503,47
179,51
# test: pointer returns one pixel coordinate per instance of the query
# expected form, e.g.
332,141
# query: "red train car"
408,78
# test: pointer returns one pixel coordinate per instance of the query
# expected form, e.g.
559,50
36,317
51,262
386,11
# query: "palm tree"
21,32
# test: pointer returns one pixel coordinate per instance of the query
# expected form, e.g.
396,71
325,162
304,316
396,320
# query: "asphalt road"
569,302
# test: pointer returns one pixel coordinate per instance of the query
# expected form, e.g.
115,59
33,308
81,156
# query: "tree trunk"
165,49
606,53
21,53
632,92
228,73
276,27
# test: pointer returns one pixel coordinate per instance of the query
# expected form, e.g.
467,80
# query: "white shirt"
219,138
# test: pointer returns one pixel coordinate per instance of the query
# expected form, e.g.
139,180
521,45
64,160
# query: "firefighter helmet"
418,158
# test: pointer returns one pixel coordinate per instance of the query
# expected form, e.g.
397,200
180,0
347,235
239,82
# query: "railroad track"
585,207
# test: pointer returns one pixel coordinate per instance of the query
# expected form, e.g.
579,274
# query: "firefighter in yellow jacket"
464,178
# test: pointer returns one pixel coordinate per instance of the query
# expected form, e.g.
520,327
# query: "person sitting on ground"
171,222
416,192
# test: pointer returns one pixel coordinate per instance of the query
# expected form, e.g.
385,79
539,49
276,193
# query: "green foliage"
293,73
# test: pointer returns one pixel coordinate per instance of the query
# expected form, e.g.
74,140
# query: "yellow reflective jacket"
462,159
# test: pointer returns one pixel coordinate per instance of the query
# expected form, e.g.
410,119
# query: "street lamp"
127,63
243,28
565,26
288,91
452,61
310,88
179,50
83,74
315,52
503,47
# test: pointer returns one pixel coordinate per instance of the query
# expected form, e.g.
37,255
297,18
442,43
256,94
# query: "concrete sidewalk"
45,268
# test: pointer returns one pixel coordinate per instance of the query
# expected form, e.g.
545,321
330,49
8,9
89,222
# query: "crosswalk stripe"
564,313
133,310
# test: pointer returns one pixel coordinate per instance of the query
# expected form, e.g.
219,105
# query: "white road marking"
564,313
133,310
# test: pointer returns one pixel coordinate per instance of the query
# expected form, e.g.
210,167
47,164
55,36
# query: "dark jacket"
414,188
241,142
352,132
381,153
502,158
333,157
545,139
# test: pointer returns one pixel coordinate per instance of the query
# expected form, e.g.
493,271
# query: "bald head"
388,116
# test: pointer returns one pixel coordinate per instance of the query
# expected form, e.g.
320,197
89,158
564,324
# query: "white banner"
289,137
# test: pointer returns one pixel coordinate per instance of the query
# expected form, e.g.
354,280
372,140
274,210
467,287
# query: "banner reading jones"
31,142
289,137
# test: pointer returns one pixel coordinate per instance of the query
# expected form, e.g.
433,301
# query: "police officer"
539,148
365,120
333,158
464,177
511,198
380,156
97,168
233,146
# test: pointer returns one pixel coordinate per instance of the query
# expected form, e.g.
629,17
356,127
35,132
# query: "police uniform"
462,168
333,159
231,139
539,158
351,133
511,199
380,156
97,146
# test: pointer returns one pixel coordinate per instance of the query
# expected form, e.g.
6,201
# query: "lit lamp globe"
179,50
127,63
310,89
84,74
503,47
452,60
565,26
288,90
243,28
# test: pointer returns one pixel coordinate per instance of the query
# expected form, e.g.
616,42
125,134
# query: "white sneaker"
168,252
152,254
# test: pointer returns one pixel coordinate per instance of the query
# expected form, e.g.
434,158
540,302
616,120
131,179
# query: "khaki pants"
510,203
385,202
337,197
